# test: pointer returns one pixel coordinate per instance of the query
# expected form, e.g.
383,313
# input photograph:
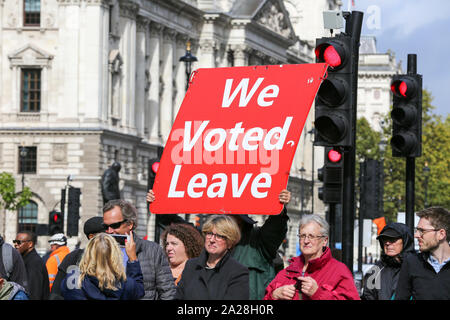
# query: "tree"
9,199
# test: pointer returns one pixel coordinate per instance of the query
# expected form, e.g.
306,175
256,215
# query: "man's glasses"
19,242
421,231
115,225
309,236
209,235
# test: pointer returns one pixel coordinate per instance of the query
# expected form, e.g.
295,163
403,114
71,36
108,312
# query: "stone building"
84,83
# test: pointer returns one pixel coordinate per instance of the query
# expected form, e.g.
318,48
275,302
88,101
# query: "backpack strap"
7,257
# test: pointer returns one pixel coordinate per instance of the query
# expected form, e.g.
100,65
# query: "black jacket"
418,280
38,286
229,280
380,282
19,272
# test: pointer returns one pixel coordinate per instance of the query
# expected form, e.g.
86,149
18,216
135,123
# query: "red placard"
233,141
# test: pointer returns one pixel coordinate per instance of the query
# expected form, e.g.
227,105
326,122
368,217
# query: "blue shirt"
125,258
435,263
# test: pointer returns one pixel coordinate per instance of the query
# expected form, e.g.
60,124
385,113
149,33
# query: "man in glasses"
121,217
38,283
426,275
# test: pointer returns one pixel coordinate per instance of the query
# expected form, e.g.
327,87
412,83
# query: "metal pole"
353,26
410,163
362,173
332,221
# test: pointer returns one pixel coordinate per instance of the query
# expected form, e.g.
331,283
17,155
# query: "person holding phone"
120,217
102,275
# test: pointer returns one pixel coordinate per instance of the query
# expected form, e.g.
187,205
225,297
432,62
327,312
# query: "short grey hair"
129,212
323,224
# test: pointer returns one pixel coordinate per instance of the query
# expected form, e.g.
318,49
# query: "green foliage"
435,153
9,199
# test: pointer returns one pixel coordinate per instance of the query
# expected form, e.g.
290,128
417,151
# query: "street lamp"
23,154
426,172
188,58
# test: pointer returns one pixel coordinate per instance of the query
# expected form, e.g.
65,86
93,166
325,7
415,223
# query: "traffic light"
334,109
407,115
331,174
73,212
153,166
372,189
198,221
55,222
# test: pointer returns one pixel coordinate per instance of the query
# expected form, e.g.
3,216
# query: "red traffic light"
404,87
55,217
155,167
332,53
334,156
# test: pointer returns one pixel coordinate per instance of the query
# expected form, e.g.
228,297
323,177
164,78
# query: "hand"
130,247
286,292
309,285
284,196
150,196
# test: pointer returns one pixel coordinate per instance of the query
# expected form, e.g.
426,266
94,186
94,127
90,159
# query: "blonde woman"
215,275
102,275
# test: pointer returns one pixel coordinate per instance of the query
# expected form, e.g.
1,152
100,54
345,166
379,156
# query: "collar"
313,265
203,258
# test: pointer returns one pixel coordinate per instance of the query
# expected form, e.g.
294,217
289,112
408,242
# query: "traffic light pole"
352,27
410,163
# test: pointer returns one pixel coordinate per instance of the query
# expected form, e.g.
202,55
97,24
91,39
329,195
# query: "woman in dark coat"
380,282
102,275
215,275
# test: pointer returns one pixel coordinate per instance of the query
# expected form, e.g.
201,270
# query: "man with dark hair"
12,267
38,285
70,264
426,275
121,217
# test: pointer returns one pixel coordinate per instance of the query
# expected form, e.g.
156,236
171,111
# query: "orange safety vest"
53,262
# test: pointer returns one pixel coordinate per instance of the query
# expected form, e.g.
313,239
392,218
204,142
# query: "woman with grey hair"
315,274
215,275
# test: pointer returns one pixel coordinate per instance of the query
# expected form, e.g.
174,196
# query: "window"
28,217
32,13
27,159
31,90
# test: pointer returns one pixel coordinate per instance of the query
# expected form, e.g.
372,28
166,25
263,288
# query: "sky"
419,27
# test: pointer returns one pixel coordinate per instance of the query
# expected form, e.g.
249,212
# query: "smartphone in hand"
120,238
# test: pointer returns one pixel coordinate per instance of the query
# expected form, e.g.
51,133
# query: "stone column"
180,73
166,105
207,57
142,25
127,47
240,55
154,49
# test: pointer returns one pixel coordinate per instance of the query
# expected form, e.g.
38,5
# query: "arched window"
28,217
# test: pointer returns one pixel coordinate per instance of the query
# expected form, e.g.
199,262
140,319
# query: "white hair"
323,224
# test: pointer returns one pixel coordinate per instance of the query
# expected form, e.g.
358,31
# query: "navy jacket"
131,289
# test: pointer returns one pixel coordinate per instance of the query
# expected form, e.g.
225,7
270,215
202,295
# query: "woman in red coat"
315,274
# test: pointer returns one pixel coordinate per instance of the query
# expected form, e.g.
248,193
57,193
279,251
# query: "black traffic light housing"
73,212
331,174
371,204
406,115
334,109
153,165
55,222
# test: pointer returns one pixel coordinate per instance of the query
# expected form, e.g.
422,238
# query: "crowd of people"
230,258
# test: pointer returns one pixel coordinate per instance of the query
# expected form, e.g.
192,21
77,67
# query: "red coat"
334,279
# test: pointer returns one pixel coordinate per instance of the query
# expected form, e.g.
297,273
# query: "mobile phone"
120,238
298,285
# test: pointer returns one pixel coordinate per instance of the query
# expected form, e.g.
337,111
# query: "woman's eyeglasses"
210,235
309,236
